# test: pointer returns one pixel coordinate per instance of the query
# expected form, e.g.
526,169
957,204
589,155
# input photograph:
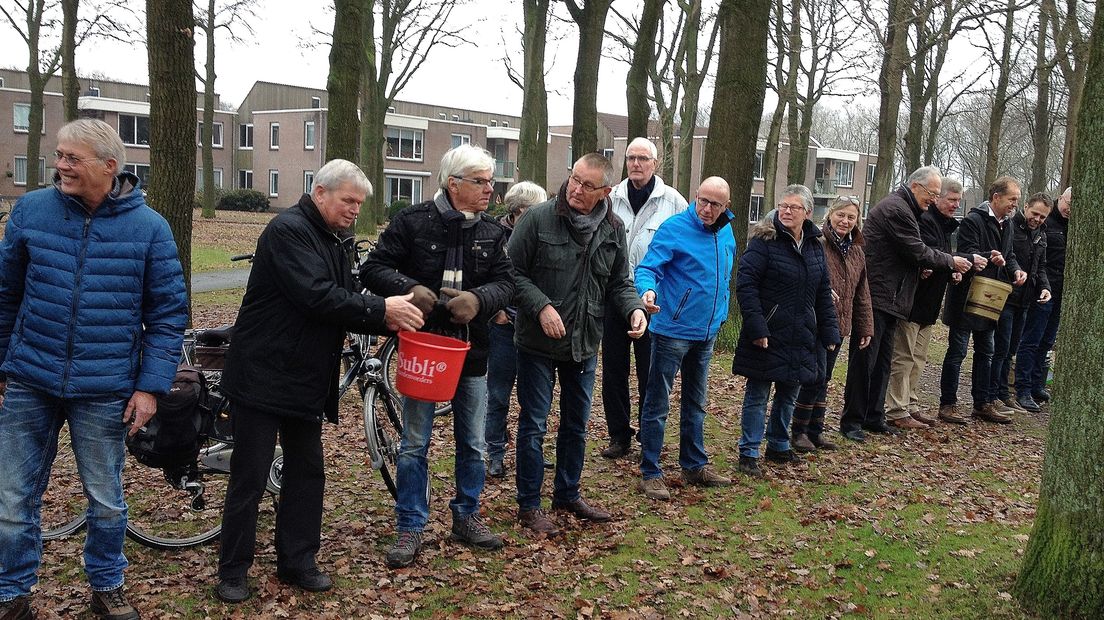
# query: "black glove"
463,305
424,298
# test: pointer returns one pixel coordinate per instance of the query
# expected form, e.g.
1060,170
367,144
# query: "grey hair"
646,143
839,202
338,172
103,139
950,186
801,192
599,161
922,174
463,160
524,195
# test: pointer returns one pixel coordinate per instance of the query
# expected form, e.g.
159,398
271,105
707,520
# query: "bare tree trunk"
343,82
170,44
1000,98
1041,126
795,167
787,93
375,73
209,114
1063,564
533,141
70,86
636,84
591,19
914,79
1072,55
894,57
692,78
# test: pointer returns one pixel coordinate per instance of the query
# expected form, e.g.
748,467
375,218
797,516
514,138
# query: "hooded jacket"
689,265
786,297
91,303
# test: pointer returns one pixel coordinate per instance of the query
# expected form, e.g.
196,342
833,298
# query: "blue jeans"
1039,334
1005,341
501,372
469,411
755,410
30,421
669,355
536,378
957,341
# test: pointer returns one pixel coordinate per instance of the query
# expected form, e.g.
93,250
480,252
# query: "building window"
404,188
607,153
245,136
308,180
21,118
199,178
93,91
134,130
758,174
316,102
273,183
245,179
1,82
216,134
274,136
142,171
845,173
870,169
404,143
460,138
308,135
755,209
19,175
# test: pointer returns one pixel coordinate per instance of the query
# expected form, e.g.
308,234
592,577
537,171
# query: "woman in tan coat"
846,261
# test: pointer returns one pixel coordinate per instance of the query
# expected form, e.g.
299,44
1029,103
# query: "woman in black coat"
786,303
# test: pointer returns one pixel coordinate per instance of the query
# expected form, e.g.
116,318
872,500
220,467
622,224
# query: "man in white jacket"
642,201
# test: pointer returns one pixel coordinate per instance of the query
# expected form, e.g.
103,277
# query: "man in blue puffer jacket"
683,281
92,316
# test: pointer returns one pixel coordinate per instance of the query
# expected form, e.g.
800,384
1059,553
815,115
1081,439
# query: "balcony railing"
824,186
504,170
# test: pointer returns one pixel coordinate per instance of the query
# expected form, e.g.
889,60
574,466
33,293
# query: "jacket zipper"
770,315
76,300
682,305
716,283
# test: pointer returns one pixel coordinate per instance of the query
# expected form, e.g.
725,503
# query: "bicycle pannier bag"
173,436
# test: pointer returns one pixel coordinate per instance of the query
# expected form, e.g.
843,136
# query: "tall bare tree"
1063,568
894,57
1003,62
691,73
343,82
70,87
590,17
1073,54
533,139
230,17
1042,126
636,82
397,42
170,47
786,41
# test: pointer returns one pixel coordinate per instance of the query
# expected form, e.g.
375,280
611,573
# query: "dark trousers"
958,340
615,374
868,376
1005,342
299,515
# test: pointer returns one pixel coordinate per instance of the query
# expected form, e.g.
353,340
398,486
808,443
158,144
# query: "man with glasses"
642,201
895,255
92,316
571,264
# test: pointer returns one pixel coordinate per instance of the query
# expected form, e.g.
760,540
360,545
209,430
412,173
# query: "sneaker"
232,590
749,466
1010,403
405,549
538,522
782,456
951,414
112,605
1028,403
616,450
654,488
496,469
19,608
472,531
1001,408
705,477
908,424
821,443
990,414
802,443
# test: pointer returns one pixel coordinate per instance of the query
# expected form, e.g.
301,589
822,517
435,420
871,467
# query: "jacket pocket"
686,298
770,315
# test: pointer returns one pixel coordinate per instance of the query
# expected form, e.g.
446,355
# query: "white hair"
338,172
646,143
101,137
801,192
463,160
922,174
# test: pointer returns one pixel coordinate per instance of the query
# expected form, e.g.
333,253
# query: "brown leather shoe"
923,418
538,522
951,414
907,423
1013,404
821,443
801,443
582,510
989,413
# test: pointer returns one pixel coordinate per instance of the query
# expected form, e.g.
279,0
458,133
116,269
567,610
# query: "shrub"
219,193
242,200
395,207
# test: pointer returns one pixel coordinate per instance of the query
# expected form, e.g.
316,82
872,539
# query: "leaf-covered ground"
929,525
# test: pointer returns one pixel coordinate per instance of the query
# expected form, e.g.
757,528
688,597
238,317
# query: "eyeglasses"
587,186
788,207
489,183
638,159
852,199
71,159
710,204
930,193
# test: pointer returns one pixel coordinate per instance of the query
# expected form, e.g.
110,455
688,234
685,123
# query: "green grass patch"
206,258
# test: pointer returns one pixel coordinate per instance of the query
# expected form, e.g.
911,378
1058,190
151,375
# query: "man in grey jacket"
570,257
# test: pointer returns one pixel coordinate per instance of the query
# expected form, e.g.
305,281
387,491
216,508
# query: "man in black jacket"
895,254
282,372
986,230
1041,325
451,256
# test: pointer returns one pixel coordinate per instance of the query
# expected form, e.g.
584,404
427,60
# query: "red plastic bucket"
429,365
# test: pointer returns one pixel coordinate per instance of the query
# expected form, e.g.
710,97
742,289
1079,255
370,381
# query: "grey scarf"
586,224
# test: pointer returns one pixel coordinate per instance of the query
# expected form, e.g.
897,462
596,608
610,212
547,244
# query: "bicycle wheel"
63,505
388,354
382,432
181,507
